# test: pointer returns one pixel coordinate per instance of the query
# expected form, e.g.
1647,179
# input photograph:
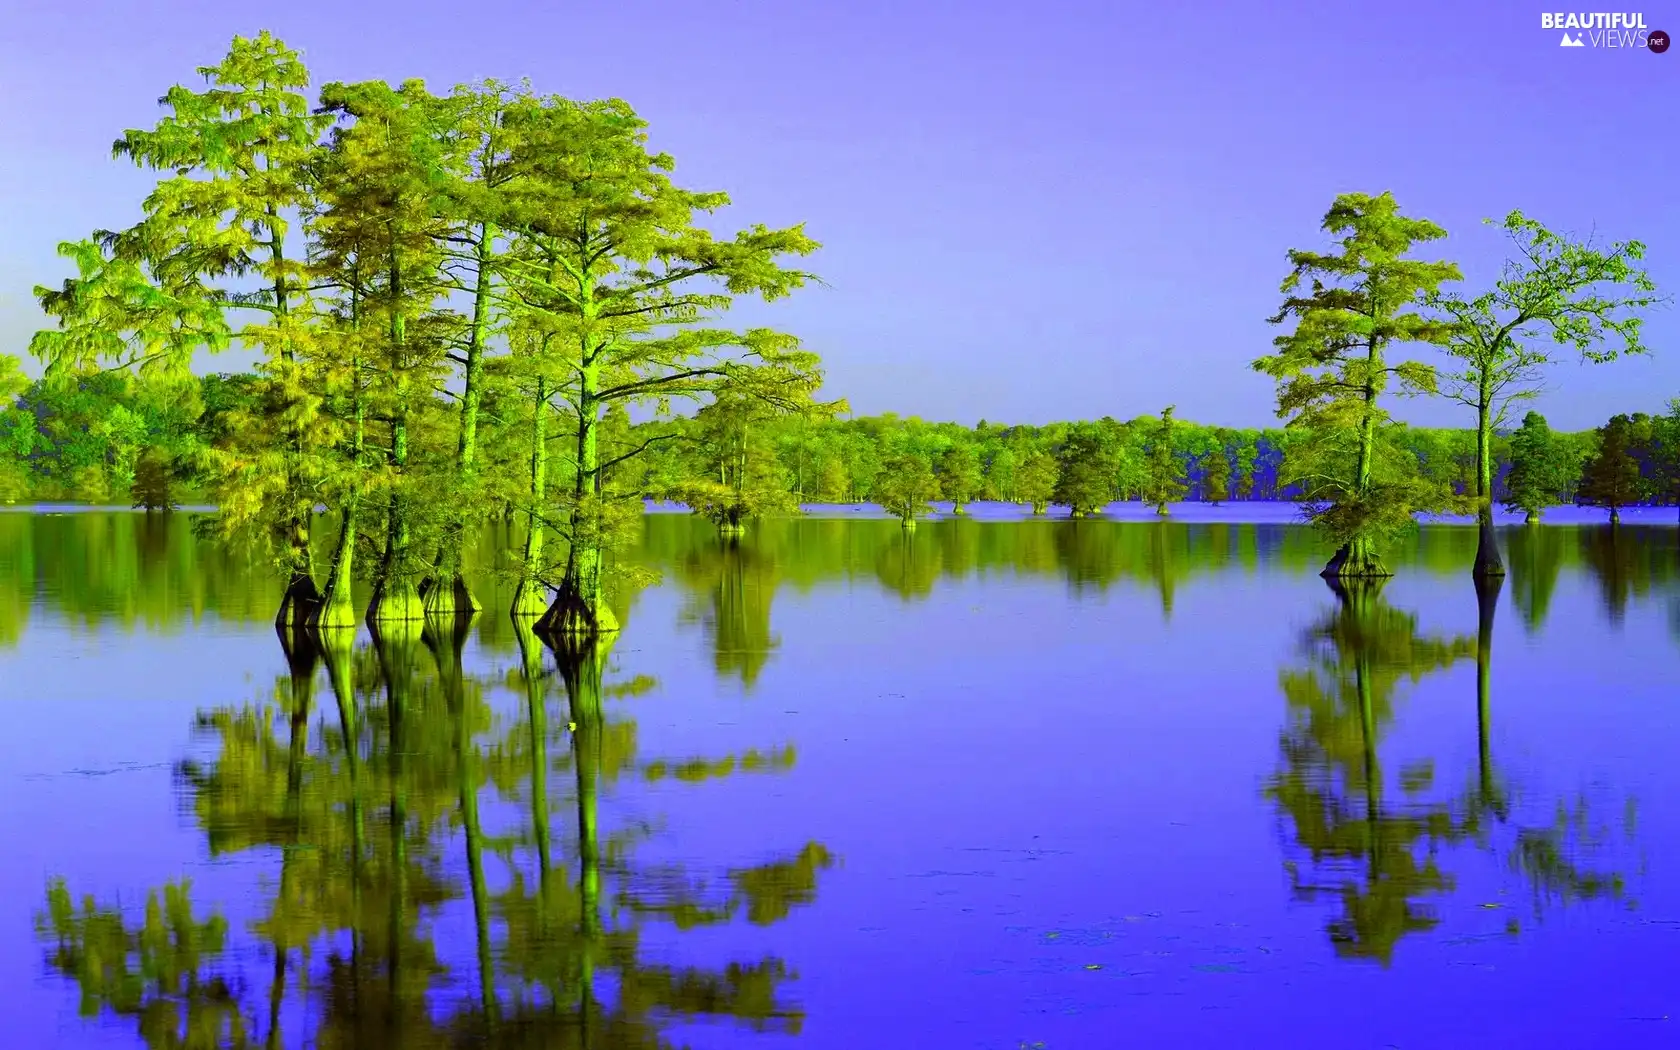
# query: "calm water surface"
998,784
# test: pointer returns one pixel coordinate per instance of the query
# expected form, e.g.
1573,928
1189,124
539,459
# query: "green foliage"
1164,473
1611,477
1580,296
1036,481
1086,467
739,477
960,480
1543,468
905,486
1216,468
1350,307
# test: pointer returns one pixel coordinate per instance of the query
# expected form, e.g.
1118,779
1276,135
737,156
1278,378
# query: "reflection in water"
452,823
1380,856
134,569
1535,557
361,804
732,585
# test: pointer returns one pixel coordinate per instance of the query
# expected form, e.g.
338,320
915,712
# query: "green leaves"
1331,368
1555,291
112,314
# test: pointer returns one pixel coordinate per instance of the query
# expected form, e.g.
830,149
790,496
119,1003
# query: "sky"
1028,211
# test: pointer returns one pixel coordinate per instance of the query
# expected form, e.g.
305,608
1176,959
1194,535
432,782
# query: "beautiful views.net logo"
1605,29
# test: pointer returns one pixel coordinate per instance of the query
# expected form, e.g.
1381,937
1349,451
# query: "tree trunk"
580,607
530,598
1487,600
396,599
449,594
395,596
337,608
1533,518
1488,562
302,596
1357,559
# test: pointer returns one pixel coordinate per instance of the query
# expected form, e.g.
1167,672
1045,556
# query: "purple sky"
1030,211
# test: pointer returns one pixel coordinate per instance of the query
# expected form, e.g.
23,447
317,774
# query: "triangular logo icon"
1569,41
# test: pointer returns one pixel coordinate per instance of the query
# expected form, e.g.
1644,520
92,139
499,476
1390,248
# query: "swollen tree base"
530,600
300,601
449,597
1356,560
571,617
1488,562
395,602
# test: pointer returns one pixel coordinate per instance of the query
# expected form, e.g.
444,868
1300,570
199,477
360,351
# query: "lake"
999,783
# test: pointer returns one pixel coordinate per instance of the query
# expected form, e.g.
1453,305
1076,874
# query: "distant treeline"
117,438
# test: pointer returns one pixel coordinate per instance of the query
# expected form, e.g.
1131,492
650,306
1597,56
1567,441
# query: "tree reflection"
1376,855
358,803
733,581
1380,853
1536,558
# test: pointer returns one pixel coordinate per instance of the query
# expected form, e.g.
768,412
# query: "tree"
1001,475
380,227
1331,371
1542,468
153,487
739,477
476,167
1668,451
1611,478
959,475
1570,290
1085,471
239,156
1035,482
1216,469
19,433
607,259
905,486
1164,471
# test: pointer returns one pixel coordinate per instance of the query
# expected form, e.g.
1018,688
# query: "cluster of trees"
495,302
1351,308
456,301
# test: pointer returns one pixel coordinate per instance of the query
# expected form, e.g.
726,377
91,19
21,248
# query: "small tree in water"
1349,307
905,486
1036,481
1164,480
1573,292
1543,469
1611,478
153,488
745,480
1085,474
959,476
1216,469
